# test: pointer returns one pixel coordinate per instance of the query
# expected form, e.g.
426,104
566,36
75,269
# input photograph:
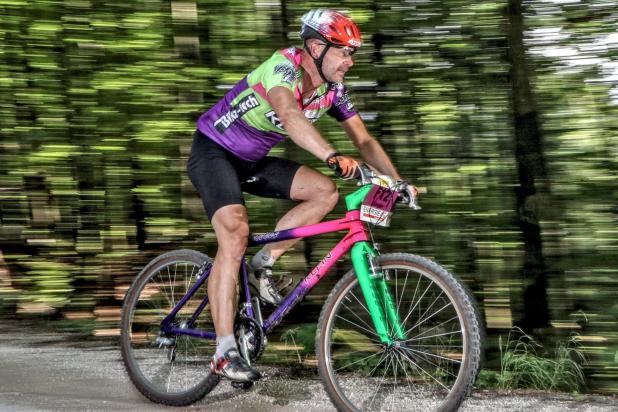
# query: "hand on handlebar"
412,193
345,167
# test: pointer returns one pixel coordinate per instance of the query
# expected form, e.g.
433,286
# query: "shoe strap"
264,269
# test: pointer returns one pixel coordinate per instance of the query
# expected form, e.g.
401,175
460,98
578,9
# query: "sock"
261,259
224,344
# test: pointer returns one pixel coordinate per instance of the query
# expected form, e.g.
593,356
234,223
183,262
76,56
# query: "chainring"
251,331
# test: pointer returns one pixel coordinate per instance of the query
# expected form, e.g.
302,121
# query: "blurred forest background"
505,110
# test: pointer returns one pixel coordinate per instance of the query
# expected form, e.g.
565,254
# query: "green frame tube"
360,254
379,300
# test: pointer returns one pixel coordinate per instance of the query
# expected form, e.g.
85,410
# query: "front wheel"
432,368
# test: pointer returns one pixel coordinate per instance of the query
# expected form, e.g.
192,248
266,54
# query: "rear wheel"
168,369
433,368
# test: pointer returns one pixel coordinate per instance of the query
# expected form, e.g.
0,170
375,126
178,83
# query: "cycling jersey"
244,122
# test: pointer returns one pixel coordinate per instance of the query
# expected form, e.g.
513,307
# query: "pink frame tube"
356,233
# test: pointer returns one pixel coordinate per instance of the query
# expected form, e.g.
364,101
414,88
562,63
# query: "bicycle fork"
380,303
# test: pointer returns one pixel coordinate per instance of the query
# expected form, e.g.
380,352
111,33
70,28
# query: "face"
336,63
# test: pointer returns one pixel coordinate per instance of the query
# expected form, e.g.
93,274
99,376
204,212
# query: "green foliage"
522,367
98,102
301,341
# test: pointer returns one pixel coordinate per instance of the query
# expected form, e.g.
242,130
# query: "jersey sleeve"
278,71
342,108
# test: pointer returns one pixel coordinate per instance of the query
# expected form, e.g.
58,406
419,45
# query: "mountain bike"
397,329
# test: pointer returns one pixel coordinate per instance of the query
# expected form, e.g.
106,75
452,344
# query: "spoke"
419,301
396,287
167,299
169,280
169,376
186,365
403,366
434,346
389,358
174,284
418,283
436,365
359,360
426,319
188,342
433,336
424,371
402,289
355,314
149,303
394,377
427,310
357,325
436,326
359,302
344,353
190,280
379,363
392,328
162,291
434,355
157,376
169,302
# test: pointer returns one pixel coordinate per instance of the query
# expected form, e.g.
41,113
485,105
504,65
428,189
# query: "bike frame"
364,259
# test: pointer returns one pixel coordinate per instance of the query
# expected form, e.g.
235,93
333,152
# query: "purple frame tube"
166,326
357,232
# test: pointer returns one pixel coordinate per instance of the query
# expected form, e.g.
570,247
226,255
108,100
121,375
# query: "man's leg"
232,230
213,172
317,195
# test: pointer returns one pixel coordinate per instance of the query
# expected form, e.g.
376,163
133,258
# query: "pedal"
241,385
284,282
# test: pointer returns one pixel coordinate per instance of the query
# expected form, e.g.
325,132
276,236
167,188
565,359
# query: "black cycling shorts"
217,175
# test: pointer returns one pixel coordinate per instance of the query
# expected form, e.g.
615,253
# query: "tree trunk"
532,173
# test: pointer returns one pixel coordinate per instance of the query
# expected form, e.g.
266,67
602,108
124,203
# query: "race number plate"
377,208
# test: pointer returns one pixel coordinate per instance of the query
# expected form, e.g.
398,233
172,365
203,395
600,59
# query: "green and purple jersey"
245,123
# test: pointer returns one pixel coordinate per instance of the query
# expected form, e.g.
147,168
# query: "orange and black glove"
344,166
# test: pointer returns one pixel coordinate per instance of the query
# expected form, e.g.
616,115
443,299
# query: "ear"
313,48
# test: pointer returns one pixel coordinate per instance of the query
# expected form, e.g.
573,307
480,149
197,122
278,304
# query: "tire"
433,368
176,373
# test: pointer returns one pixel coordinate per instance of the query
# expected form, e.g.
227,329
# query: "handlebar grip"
404,197
335,168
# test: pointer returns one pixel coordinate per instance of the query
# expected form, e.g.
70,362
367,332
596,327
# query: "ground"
48,371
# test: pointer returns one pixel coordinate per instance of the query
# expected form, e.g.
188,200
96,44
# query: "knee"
329,195
233,242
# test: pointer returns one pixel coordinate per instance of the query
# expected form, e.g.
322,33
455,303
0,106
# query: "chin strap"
318,61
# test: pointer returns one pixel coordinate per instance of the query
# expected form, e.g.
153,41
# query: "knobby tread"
181,399
464,383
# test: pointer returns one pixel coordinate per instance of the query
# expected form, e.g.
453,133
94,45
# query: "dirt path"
59,372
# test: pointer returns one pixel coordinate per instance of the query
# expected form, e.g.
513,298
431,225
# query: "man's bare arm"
300,130
370,149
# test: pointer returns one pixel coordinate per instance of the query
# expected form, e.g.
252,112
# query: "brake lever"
365,174
408,198
414,204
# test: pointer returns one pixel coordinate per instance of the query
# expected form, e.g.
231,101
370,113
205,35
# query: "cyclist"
281,97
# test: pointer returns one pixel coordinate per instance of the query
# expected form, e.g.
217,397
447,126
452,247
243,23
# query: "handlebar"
366,175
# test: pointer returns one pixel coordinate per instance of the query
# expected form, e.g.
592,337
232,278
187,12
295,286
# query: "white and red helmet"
331,26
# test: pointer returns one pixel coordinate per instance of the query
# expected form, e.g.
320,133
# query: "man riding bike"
282,97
